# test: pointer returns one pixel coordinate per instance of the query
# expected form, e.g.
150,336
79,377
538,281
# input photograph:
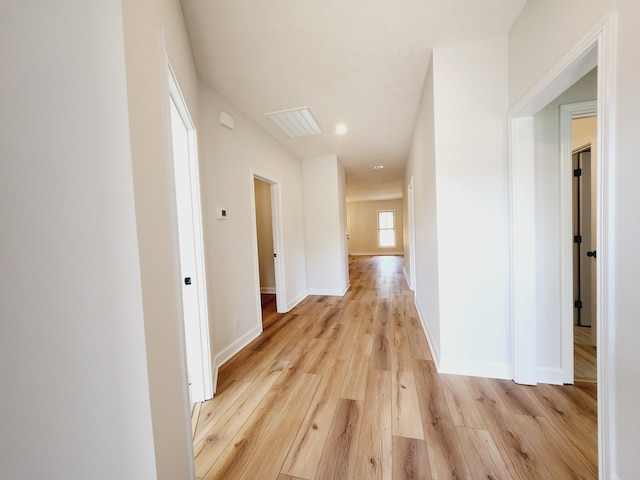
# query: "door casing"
568,112
597,48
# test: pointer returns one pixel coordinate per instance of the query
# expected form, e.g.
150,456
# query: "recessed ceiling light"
341,129
376,167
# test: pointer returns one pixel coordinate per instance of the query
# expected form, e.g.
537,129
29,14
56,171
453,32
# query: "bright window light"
386,229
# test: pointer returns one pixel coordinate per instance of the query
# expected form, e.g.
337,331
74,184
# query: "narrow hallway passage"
346,388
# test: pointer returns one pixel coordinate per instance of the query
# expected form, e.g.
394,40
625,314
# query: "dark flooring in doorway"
268,300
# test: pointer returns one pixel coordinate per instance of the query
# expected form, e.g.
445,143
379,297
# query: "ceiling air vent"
296,122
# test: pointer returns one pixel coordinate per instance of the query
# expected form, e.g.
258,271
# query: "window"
386,229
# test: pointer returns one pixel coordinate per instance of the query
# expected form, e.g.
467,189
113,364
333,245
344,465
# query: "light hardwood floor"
585,362
345,388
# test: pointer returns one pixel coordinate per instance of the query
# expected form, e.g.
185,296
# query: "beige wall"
583,132
421,166
363,227
75,391
325,226
156,217
229,159
264,229
461,208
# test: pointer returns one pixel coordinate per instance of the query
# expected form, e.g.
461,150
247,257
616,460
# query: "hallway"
345,387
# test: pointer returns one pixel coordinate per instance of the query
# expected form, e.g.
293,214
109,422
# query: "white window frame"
392,229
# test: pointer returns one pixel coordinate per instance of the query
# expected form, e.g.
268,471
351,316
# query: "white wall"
325,226
542,35
155,216
75,395
421,164
547,204
363,221
264,229
343,261
470,92
227,158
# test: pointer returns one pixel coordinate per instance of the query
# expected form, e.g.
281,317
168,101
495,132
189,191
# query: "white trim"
522,251
412,235
278,243
598,48
226,354
567,114
475,369
406,276
395,229
329,291
166,71
553,376
292,304
268,290
202,385
435,353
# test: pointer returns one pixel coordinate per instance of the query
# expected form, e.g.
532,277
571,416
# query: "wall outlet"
236,323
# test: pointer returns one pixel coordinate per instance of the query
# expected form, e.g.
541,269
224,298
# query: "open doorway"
270,288
594,50
266,250
584,165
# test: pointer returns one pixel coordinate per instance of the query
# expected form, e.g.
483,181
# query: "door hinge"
577,239
577,304
577,172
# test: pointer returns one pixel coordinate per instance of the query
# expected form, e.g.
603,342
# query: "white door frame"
412,236
202,382
567,114
597,48
278,243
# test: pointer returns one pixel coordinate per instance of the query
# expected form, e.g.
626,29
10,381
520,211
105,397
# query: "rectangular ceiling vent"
296,122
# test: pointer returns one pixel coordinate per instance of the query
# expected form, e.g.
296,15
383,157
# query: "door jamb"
412,237
568,112
206,382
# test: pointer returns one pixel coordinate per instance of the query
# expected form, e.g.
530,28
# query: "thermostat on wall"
221,213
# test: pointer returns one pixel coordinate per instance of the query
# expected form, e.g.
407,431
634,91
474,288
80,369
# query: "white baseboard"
551,376
297,300
271,290
406,277
461,367
376,254
228,352
435,354
475,369
329,292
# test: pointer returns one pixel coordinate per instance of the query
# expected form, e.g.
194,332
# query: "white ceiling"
361,62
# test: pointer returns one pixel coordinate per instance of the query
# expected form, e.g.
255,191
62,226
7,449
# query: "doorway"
267,208
191,250
266,250
584,164
594,50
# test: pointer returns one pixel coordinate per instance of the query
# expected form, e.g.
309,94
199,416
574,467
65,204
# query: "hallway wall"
460,189
74,402
228,161
363,230
144,21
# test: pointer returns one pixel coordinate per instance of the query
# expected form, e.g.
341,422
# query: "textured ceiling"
360,62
